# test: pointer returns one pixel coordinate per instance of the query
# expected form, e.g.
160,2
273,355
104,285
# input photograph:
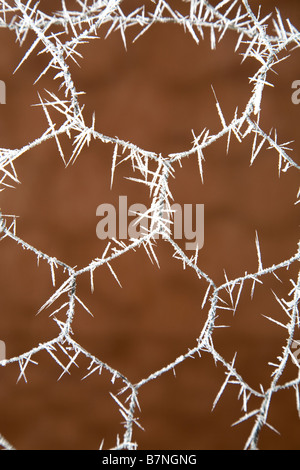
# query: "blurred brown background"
153,94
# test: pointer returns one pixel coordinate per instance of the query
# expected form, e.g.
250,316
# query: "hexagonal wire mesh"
58,36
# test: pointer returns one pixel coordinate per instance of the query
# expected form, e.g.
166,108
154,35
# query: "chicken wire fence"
267,40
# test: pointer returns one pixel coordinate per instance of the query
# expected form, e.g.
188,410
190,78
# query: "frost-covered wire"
58,36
